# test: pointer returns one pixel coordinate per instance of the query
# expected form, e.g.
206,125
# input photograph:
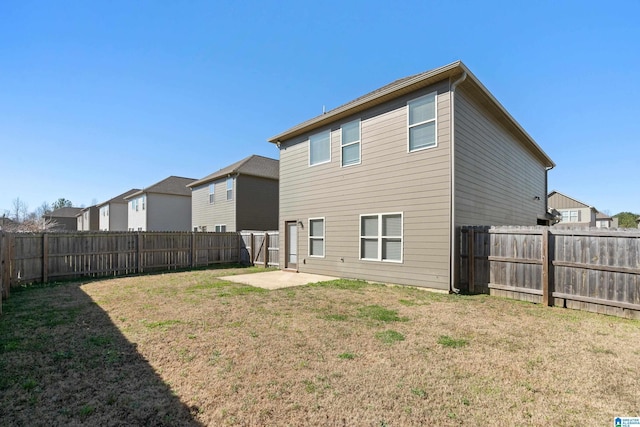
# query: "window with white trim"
144,199
570,216
221,228
381,237
230,188
350,143
316,237
320,148
421,122
212,193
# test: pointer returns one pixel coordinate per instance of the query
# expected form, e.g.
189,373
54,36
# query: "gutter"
452,201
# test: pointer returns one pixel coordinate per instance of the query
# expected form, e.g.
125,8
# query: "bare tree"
43,210
19,210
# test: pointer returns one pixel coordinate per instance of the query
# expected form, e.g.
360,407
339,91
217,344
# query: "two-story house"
87,219
241,196
377,188
163,206
575,213
63,219
113,212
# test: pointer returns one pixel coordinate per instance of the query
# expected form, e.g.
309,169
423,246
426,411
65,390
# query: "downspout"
452,201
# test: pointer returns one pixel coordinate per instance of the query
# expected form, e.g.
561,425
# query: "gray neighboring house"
113,212
377,188
241,196
88,219
65,219
163,206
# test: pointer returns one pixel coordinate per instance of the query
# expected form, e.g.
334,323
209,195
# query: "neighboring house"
241,196
377,189
88,219
574,212
164,206
113,212
605,221
63,218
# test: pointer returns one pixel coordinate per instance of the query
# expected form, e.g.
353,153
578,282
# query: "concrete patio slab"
277,279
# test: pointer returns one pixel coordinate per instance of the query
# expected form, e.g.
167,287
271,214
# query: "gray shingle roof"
175,185
64,213
254,165
120,198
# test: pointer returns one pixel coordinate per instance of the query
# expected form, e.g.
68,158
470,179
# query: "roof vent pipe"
452,201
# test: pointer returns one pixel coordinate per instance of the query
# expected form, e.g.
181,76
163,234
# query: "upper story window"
144,200
381,237
350,143
570,216
422,122
316,237
229,188
212,193
320,148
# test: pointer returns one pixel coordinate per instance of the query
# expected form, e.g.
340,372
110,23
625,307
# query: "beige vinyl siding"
498,180
118,217
389,179
256,203
166,212
560,201
206,214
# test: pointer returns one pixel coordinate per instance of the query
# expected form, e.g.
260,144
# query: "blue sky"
100,97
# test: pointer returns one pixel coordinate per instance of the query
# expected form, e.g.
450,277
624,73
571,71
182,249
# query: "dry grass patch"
188,348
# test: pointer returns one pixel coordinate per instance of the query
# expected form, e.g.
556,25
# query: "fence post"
547,285
139,252
45,257
266,249
253,246
471,257
3,257
193,249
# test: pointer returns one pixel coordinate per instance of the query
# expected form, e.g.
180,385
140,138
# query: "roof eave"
419,81
371,100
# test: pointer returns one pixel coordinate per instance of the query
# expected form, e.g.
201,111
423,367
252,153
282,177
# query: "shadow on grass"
63,362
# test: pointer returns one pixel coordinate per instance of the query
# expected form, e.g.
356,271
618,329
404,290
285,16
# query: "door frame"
289,265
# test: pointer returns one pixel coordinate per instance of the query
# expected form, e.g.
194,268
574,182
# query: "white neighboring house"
113,212
163,206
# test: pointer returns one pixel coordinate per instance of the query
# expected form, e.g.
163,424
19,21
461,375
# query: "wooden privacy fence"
260,248
43,257
587,268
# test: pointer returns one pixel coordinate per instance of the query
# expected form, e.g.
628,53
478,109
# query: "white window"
229,188
203,228
381,237
221,228
143,199
212,193
569,216
422,122
316,237
350,143
320,148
